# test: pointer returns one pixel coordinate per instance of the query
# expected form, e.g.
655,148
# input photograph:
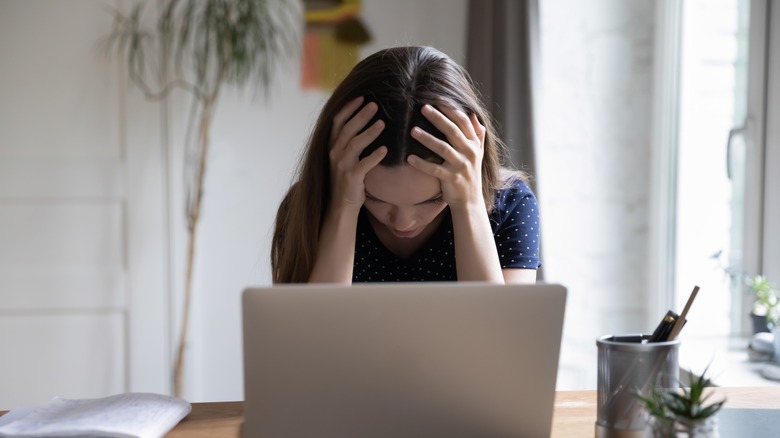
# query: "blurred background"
651,128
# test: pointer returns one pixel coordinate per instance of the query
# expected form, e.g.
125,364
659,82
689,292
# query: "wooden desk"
574,414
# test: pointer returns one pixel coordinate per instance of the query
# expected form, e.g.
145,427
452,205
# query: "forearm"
336,248
475,247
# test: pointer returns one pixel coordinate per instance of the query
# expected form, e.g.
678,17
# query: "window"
714,143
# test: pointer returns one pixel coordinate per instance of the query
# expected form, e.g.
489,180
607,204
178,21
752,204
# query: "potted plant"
765,307
683,413
764,292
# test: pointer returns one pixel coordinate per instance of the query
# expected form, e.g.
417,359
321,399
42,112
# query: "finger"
345,158
359,142
343,115
461,119
439,147
427,167
478,128
354,125
449,128
371,161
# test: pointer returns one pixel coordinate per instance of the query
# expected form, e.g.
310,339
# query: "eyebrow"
437,196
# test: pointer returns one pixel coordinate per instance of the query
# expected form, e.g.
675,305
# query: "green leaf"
682,404
208,43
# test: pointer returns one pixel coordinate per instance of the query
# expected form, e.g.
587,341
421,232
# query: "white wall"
594,168
80,223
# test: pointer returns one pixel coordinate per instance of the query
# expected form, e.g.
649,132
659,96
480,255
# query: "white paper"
141,415
16,414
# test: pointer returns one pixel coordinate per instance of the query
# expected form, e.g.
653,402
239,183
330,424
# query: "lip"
403,234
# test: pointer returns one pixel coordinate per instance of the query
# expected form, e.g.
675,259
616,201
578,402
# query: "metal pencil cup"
626,366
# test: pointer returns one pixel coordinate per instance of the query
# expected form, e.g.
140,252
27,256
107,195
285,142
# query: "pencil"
681,320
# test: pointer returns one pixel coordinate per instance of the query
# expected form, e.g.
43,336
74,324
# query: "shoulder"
515,203
513,193
515,223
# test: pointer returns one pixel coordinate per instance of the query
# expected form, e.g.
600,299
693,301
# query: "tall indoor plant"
201,46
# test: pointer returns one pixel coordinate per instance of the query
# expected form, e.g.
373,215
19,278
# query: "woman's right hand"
347,170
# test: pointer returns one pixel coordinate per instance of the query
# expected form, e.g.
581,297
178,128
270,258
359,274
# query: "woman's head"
400,80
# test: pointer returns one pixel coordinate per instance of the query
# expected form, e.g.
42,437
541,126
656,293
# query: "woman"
402,176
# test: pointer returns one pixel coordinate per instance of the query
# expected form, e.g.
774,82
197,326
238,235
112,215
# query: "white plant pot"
776,333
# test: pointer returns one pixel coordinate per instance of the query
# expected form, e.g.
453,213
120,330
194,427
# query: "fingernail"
416,131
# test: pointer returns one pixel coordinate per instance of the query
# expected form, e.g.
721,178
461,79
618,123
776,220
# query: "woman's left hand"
461,172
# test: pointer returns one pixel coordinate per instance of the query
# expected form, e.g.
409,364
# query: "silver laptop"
402,360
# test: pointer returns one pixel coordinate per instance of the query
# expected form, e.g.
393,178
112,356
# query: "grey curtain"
501,49
501,56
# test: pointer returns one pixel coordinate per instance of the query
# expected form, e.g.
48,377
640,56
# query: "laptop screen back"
412,360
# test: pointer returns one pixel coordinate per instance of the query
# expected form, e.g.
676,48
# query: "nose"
402,219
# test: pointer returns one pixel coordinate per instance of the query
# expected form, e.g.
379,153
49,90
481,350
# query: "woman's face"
403,199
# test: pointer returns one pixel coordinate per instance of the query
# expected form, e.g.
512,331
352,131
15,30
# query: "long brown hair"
400,80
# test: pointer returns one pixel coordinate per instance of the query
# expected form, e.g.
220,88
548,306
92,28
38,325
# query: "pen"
664,328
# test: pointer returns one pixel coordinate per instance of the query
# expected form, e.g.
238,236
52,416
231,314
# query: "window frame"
761,231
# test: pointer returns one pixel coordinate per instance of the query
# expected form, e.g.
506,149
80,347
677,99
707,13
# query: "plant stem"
193,218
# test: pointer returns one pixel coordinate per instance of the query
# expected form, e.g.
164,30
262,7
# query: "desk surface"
574,414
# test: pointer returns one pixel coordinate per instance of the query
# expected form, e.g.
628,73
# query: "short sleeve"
515,223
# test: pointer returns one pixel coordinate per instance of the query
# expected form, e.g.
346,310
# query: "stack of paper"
141,415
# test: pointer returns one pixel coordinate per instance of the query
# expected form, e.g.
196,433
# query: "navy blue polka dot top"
515,223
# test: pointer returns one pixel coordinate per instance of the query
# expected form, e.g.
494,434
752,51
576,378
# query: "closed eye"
431,201
372,199
434,200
